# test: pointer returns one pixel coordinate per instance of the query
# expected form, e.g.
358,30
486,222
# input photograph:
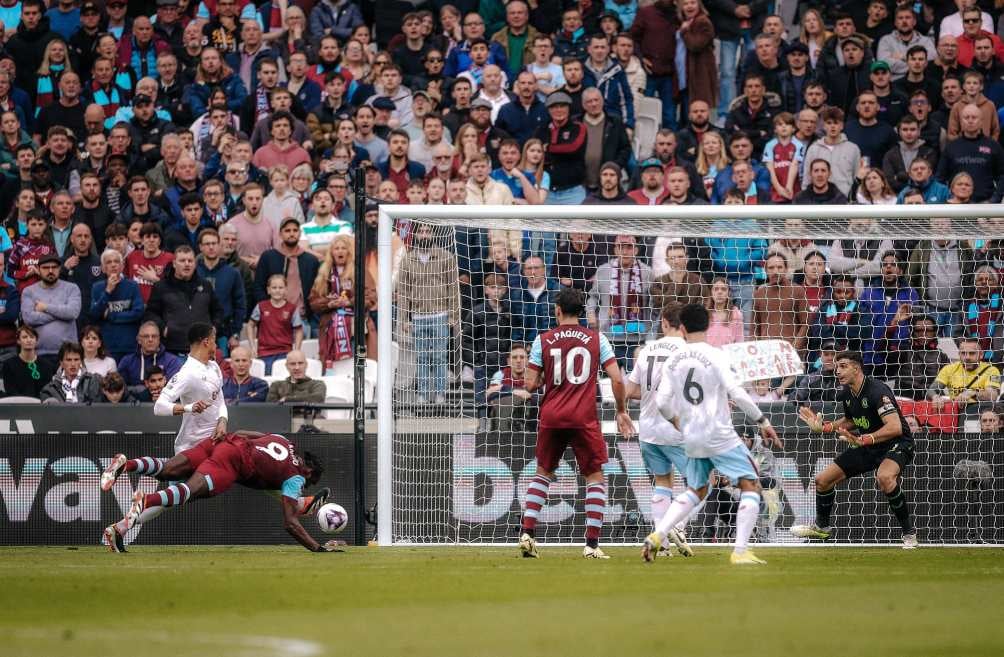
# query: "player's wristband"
868,439
827,427
187,408
763,421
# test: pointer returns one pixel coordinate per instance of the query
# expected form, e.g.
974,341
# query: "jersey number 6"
692,390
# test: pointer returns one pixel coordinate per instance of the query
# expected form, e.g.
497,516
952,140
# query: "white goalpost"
909,286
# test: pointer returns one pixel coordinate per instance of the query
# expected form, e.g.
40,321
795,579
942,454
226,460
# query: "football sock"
749,509
824,507
679,510
146,465
536,498
173,495
899,506
596,503
146,516
662,497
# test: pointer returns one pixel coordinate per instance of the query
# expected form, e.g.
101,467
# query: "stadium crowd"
171,161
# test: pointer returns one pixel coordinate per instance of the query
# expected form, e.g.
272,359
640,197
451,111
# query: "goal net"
463,291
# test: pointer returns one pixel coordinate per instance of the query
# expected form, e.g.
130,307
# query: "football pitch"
480,602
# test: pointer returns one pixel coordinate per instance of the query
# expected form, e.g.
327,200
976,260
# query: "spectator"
51,306
25,374
27,45
72,384
213,72
990,422
725,319
973,32
297,387
764,62
81,266
91,209
780,309
289,259
428,309
606,137
820,384
487,330
794,79
146,266
967,380
697,33
522,117
516,37
735,24
116,306
619,303
255,233
114,391
813,279
972,94
324,226
574,73
794,249
838,319
711,160
180,299
240,386
976,154
873,137
894,48
149,353
653,190
281,149
937,269
921,179
897,160
842,155
678,285
916,362
10,313
698,125
741,150
566,146
607,76
276,327
576,261
459,57
193,221
549,76
332,297
742,179
983,312
887,305
753,112
532,302
820,190
917,79
228,286
782,157
153,384
847,81
507,395
953,24
96,359
338,18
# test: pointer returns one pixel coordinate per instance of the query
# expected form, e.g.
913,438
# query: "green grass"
264,602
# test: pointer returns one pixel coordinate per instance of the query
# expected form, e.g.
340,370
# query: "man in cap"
792,82
851,78
565,158
652,190
51,307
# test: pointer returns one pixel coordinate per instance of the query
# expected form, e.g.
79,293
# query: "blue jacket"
877,313
118,314
613,84
514,119
251,391
133,366
334,18
459,59
934,191
196,95
229,289
737,258
530,317
723,181
625,12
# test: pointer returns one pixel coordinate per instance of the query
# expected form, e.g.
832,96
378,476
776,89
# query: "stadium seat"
342,367
339,391
279,370
20,400
258,368
310,348
648,118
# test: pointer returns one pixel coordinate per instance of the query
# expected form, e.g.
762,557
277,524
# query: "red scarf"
338,337
625,307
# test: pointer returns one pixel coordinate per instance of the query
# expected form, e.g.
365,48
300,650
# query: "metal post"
361,312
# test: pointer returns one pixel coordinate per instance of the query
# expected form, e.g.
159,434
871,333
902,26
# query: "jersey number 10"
578,364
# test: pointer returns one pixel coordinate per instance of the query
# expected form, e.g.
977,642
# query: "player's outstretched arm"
742,399
817,424
291,522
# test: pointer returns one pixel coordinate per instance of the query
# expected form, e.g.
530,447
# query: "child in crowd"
276,327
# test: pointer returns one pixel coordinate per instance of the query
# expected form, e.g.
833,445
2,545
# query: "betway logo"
73,492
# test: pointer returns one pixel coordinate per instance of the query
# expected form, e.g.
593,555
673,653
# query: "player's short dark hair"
671,313
199,331
315,465
571,301
151,228
154,371
189,198
694,317
853,356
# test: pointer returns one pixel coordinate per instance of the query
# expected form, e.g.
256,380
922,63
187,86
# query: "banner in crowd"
49,493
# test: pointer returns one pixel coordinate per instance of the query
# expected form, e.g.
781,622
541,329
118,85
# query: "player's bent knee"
886,480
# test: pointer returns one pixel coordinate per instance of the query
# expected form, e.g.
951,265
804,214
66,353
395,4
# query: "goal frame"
601,219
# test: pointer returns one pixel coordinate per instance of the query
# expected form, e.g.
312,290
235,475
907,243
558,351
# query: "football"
332,518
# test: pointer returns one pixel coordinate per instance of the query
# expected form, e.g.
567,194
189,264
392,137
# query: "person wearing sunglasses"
25,375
